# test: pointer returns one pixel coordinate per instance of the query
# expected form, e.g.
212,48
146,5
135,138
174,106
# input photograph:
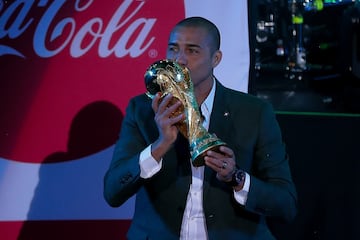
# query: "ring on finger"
224,165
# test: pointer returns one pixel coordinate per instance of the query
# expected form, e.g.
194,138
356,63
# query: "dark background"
330,38
325,165
317,106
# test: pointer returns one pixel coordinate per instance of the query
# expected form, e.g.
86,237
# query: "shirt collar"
207,105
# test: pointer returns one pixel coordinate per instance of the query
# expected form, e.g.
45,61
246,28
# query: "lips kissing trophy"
166,76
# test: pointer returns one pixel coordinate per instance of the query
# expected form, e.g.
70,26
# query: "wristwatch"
238,178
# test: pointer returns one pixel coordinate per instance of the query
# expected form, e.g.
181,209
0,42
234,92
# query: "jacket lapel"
219,124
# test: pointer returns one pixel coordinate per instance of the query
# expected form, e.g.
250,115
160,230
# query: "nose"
181,58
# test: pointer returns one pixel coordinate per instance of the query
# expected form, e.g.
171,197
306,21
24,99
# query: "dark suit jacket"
249,128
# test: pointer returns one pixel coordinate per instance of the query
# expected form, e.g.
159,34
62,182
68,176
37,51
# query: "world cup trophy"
166,76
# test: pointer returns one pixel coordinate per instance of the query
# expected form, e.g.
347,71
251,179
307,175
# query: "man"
240,186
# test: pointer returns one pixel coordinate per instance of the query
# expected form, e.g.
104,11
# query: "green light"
330,1
297,19
319,5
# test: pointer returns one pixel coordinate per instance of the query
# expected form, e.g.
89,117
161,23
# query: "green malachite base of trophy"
200,146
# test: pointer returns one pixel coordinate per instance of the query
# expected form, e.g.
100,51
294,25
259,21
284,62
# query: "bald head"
200,22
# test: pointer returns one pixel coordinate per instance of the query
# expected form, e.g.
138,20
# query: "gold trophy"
166,76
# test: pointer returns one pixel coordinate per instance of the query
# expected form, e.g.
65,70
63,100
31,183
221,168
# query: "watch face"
239,176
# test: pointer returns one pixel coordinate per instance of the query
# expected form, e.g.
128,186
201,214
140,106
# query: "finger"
173,107
155,102
216,161
176,119
223,168
166,117
164,103
213,163
214,154
226,151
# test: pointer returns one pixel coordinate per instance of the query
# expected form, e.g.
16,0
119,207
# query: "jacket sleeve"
122,179
272,191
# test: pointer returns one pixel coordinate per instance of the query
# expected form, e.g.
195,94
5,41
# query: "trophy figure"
166,76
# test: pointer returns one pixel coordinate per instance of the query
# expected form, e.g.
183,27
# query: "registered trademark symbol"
153,53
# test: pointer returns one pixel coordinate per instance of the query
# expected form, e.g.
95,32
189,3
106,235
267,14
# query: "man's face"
190,47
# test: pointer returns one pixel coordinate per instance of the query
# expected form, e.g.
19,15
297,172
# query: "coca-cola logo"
80,41
68,69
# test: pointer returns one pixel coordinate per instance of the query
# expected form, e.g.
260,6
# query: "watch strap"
238,178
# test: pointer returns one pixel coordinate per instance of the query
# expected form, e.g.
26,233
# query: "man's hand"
165,120
222,162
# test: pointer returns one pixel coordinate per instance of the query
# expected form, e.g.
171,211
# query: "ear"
216,58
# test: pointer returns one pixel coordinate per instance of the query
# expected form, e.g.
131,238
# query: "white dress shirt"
193,224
